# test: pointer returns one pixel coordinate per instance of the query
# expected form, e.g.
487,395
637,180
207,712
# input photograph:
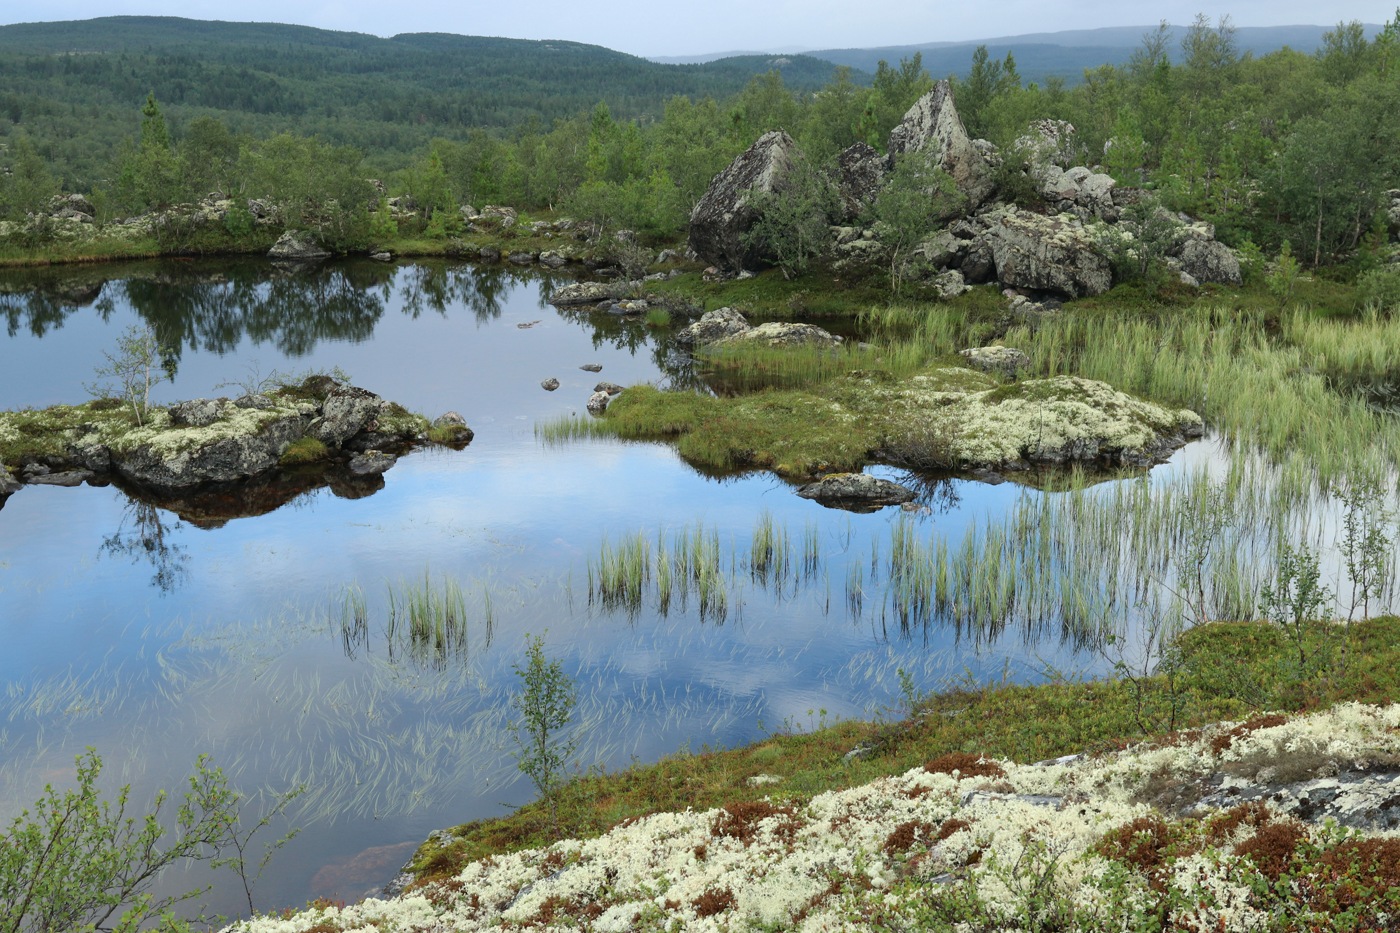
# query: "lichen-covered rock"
726,212
297,245
347,411
553,258
1060,420
783,334
244,444
857,492
712,326
550,384
598,402
8,483
1048,142
196,413
932,125
1002,361
584,293
1047,254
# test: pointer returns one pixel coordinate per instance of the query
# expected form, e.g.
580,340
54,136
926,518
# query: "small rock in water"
598,402
591,367
527,324
550,384
611,388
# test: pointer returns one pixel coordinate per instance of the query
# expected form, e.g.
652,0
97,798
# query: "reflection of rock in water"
213,506
361,875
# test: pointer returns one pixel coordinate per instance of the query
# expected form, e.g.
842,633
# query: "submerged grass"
425,621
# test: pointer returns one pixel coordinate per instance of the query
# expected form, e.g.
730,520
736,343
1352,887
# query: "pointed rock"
726,211
933,125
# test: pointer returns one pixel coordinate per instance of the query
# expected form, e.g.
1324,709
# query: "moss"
305,450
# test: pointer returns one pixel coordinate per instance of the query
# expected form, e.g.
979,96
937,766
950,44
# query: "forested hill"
75,88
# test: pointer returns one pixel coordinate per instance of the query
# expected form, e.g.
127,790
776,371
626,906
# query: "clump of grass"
658,317
304,450
429,618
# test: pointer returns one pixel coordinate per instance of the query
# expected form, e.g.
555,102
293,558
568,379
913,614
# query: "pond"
154,636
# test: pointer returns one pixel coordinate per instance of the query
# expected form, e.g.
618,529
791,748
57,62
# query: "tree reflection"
144,536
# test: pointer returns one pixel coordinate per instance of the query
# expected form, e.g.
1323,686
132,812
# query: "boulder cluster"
214,441
1063,245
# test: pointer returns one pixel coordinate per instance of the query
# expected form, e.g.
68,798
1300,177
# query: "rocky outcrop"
297,245
1047,254
726,212
218,441
782,334
1048,142
712,326
856,492
1209,260
1060,420
932,125
585,293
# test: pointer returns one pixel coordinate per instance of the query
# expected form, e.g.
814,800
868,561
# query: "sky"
651,28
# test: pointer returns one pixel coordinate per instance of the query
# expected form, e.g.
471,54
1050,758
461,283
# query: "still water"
154,637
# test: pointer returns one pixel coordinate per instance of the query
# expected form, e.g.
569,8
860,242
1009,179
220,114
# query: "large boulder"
1047,254
347,411
297,245
1048,142
783,334
712,326
245,445
933,126
861,171
1210,261
727,211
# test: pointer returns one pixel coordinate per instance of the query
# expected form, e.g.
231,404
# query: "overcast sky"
658,27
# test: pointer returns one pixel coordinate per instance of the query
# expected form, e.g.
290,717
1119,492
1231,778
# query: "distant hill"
76,87
1068,54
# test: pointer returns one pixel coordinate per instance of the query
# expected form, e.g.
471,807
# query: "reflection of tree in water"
290,307
41,301
144,536
438,285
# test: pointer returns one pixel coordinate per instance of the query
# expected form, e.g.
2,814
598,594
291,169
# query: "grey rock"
503,216
552,258
72,204
598,402
1003,361
489,254
258,401
932,125
668,256
371,461
521,257
1048,142
550,384
1210,261
382,255
347,411
196,413
591,367
220,461
949,284
1047,254
861,171
611,388
454,422
784,334
712,326
726,211
942,250
296,245
858,492
8,484
584,293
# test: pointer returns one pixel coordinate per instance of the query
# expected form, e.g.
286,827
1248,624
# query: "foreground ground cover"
960,814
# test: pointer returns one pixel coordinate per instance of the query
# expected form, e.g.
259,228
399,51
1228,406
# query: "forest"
1284,146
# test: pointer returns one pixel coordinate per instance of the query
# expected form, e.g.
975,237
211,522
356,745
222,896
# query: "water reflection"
144,536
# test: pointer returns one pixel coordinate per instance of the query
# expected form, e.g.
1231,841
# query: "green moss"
305,450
